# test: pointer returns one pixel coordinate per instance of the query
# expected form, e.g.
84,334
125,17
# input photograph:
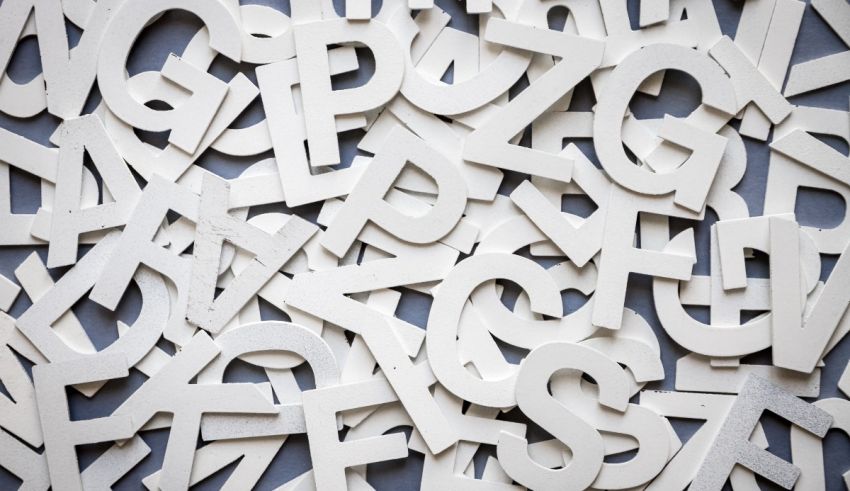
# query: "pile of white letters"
468,147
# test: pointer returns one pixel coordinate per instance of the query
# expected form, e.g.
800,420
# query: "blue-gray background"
679,96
